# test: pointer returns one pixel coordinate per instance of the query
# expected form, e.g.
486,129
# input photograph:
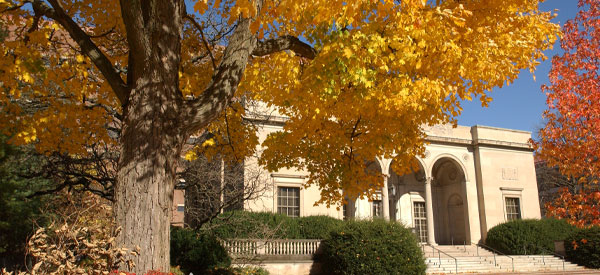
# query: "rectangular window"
377,208
513,209
420,221
288,201
180,208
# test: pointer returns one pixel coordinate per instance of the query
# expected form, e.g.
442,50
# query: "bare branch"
88,47
283,43
199,28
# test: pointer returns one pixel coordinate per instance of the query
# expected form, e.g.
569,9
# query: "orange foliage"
568,140
580,208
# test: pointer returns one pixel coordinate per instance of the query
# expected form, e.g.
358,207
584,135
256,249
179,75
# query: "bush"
317,227
583,247
80,238
371,247
264,225
195,252
520,237
247,270
252,225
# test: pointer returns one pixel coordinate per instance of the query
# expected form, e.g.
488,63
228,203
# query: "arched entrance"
449,202
407,197
456,219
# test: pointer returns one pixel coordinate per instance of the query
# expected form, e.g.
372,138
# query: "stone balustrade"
254,247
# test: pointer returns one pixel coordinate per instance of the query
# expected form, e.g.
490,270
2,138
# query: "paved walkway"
578,272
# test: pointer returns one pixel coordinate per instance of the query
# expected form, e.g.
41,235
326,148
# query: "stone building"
470,179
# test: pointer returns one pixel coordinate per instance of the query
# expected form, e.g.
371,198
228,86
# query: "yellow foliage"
383,71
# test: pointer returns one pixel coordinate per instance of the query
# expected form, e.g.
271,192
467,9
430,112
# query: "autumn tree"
579,207
357,79
568,140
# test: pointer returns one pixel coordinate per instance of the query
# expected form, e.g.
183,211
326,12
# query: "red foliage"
568,140
581,208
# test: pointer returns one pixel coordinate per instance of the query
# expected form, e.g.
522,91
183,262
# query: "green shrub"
247,270
583,247
196,253
253,225
317,227
371,247
261,225
520,237
175,270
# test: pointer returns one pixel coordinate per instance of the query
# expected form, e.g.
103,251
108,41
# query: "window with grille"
513,209
420,221
288,201
377,208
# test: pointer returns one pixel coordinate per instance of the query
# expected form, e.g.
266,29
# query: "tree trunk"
152,133
151,147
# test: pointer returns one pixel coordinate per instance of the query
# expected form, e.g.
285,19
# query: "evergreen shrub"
317,227
528,237
252,225
196,252
371,247
265,225
583,247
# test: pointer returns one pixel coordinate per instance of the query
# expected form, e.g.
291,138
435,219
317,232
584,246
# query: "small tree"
218,185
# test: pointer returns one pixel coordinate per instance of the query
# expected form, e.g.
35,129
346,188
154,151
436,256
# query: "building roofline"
502,129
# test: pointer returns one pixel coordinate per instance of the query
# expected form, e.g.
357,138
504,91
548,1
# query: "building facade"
470,179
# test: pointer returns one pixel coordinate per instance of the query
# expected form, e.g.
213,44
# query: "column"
429,212
385,198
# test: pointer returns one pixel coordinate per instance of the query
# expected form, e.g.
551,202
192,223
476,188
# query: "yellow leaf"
347,52
208,142
201,6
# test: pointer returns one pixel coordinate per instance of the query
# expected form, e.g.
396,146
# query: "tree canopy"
356,79
568,140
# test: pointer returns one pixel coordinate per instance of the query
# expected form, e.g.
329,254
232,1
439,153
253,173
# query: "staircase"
446,259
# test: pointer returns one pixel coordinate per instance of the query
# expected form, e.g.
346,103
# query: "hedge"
371,247
196,252
317,227
260,225
583,247
521,237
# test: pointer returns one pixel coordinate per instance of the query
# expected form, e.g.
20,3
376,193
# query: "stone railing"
271,248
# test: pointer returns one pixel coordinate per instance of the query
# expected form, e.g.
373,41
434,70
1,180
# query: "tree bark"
144,190
153,131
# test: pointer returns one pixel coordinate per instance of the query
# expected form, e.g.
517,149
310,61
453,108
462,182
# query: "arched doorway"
407,197
450,214
456,219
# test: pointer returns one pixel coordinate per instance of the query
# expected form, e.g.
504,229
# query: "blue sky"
520,105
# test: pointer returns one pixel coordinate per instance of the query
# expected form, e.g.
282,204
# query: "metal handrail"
494,251
546,251
440,257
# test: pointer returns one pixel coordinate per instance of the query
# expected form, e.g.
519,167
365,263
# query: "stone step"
485,264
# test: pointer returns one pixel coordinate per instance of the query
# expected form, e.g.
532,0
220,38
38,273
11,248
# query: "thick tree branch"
138,41
88,47
209,105
283,43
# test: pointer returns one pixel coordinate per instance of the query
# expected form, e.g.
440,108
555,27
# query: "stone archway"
407,197
449,202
